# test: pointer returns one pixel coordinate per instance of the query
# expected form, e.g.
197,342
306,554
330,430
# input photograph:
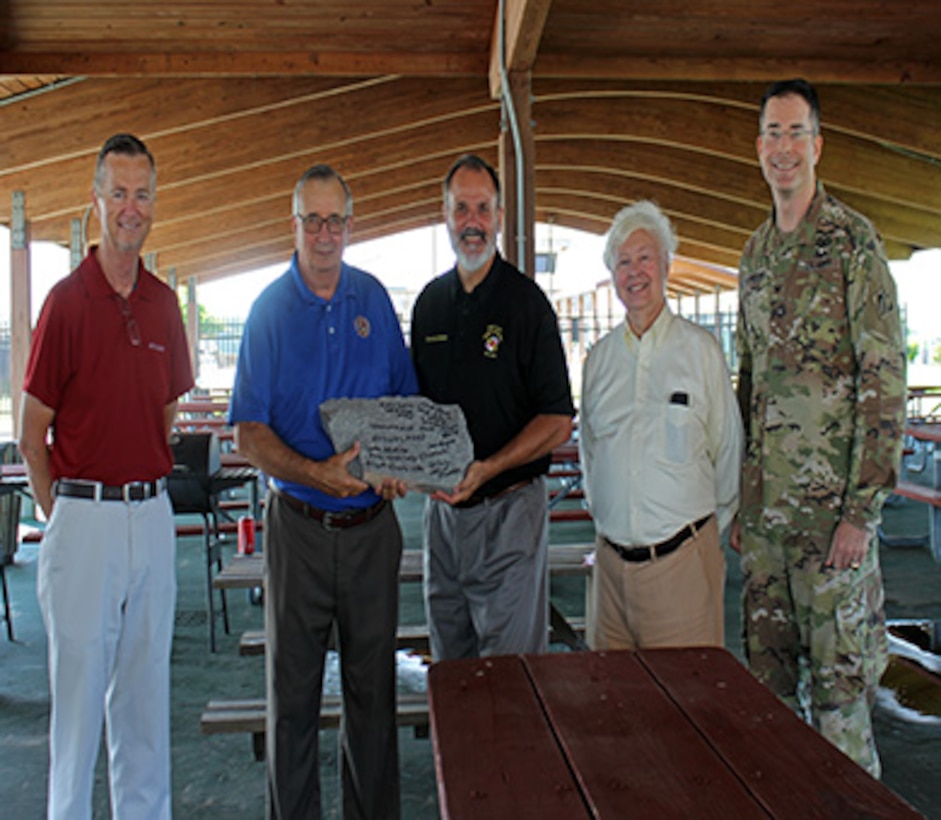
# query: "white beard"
473,262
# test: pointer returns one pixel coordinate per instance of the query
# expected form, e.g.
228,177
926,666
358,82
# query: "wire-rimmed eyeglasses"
130,323
314,222
796,134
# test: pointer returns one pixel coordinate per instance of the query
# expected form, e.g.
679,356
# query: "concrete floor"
216,777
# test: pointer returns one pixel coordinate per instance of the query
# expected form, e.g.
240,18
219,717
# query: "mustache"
468,233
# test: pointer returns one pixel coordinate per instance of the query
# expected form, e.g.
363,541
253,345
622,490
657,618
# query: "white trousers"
107,590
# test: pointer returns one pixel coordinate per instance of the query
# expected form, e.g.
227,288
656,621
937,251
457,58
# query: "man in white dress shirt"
661,445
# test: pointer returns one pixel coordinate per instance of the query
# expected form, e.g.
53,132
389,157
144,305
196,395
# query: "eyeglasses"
130,323
796,134
314,222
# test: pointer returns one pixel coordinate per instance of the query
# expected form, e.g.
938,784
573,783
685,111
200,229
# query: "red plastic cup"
246,529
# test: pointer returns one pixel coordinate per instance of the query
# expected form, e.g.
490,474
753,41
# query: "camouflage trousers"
815,635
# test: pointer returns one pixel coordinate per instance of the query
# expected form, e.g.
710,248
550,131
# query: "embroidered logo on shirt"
362,326
493,338
441,337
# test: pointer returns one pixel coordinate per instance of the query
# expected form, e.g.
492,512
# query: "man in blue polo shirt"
324,330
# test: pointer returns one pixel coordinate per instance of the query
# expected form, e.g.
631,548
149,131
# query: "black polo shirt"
497,353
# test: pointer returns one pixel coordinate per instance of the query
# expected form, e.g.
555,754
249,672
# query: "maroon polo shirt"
108,394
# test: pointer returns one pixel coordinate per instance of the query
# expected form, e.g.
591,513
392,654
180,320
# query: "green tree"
208,325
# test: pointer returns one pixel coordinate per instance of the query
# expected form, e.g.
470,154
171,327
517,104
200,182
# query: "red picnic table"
658,733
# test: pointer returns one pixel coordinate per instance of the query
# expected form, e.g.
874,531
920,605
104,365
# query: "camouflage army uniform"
822,390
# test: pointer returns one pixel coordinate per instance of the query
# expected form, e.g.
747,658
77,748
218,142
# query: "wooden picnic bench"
248,715
205,415
925,495
203,408
930,494
407,636
918,398
247,572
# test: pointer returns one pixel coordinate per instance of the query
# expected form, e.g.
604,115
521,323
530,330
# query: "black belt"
96,491
329,519
638,554
474,500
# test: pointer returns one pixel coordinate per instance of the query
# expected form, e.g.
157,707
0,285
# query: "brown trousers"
676,600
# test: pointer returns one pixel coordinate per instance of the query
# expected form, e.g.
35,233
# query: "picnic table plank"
203,407
765,743
490,705
635,753
924,432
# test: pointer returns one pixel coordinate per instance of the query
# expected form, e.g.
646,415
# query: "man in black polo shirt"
485,337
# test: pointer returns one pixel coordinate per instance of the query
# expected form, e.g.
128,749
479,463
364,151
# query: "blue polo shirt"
298,350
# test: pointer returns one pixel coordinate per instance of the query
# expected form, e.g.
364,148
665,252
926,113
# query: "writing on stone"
409,438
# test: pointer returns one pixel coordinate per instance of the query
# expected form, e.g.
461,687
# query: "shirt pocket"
676,434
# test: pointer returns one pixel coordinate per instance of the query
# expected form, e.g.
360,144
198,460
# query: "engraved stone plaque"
409,438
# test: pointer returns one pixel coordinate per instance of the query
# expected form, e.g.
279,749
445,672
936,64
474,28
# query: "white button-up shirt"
660,433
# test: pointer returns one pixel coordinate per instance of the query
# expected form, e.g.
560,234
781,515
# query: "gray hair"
322,173
642,215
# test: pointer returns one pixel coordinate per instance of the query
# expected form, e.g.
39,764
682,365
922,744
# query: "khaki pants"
676,600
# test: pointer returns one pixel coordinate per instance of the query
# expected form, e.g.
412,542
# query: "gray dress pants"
316,578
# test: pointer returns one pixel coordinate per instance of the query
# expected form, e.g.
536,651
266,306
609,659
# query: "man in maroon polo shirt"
107,364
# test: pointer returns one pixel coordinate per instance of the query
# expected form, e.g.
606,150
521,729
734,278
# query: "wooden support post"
520,91
20,313
192,324
76,244
610,297
582,326
595,325
718,324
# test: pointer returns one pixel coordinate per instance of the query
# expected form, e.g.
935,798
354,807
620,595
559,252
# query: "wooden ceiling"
630,99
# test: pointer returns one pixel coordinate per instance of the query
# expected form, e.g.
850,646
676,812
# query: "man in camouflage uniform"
822,390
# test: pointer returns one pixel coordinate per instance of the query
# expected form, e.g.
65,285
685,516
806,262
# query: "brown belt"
329,519
638,554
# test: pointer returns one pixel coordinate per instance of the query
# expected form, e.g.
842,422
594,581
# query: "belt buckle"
328,519
128,490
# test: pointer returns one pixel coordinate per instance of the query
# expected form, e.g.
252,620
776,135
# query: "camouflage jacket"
821,370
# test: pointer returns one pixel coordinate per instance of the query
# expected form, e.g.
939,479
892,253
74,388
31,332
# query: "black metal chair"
10,503
196,460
